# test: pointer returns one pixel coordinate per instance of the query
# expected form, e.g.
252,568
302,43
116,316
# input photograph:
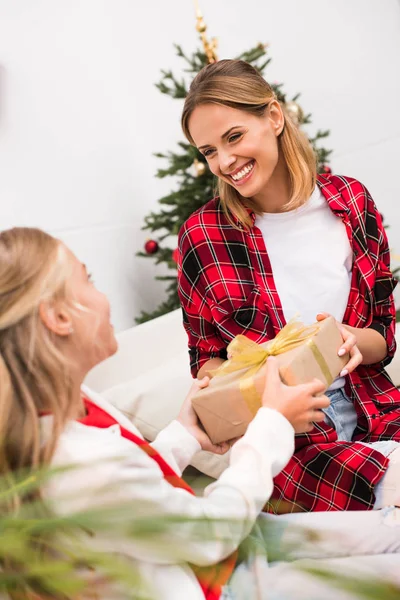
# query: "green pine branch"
45,555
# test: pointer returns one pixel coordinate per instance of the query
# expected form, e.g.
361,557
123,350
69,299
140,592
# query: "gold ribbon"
248,355
321,361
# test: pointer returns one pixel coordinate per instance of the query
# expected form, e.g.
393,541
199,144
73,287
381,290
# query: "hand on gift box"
349,347
300,404
188,418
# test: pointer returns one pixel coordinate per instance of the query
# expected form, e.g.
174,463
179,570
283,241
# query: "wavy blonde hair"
236,84
34,375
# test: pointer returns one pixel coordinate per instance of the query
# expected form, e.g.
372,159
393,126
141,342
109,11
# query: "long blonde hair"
237,84
34,376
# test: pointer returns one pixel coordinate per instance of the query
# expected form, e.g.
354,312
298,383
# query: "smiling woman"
279,240
233,155
242,139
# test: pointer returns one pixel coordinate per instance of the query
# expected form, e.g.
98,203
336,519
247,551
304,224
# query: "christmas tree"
188,166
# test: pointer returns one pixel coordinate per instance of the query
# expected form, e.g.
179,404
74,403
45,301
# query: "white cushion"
140,350
153,399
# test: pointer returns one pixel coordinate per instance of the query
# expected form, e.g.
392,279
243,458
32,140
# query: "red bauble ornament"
175,255
327,170
151,246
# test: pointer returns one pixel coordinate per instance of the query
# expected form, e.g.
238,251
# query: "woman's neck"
77,404
276,193
75,408
79,370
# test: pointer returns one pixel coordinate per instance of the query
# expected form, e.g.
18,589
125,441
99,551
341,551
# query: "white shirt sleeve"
204,530
176,445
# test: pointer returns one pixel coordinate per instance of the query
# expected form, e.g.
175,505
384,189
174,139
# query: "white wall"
80,116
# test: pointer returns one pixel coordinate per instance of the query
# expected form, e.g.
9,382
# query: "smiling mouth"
243,173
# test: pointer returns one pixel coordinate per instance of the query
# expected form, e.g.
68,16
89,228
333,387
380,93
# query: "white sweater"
133,476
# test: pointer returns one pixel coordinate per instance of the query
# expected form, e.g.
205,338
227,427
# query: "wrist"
370,343
187,433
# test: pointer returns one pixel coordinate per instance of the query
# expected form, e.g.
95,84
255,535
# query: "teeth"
238,176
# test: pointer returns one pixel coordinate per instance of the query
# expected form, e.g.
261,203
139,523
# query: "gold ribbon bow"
246,354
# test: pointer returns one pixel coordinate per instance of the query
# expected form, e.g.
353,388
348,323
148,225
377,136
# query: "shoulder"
354,197
197,225
90,463
82,445
346,186
350,192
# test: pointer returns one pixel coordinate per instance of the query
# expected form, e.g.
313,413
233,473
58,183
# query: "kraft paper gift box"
229,403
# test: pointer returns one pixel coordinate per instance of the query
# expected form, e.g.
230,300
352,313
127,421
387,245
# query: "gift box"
229,403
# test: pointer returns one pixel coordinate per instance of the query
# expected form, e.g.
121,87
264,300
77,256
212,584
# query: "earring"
71,330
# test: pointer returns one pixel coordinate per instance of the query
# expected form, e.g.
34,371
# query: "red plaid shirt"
226,288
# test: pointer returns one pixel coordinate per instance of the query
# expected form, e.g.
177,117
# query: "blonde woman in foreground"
55,327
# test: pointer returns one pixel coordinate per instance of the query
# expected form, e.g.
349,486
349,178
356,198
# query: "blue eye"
208,152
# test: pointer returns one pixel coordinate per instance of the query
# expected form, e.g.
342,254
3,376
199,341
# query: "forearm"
200,530
371,344
210,365
176,445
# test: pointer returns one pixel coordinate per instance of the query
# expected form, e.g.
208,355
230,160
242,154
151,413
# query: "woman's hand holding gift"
368,345
300,404
349,346
188,418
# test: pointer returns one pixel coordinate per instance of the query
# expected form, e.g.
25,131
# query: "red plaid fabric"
226,288
211,579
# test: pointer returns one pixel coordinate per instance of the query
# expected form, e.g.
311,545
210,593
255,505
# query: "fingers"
203,382
349,347
320,402
197,385
349,341
216,448
353,363
322,316
272,381
315,387
313,416
234,440
318,416
272,373
206,443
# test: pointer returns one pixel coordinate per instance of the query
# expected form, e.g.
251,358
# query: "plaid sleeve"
203,339
384,312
